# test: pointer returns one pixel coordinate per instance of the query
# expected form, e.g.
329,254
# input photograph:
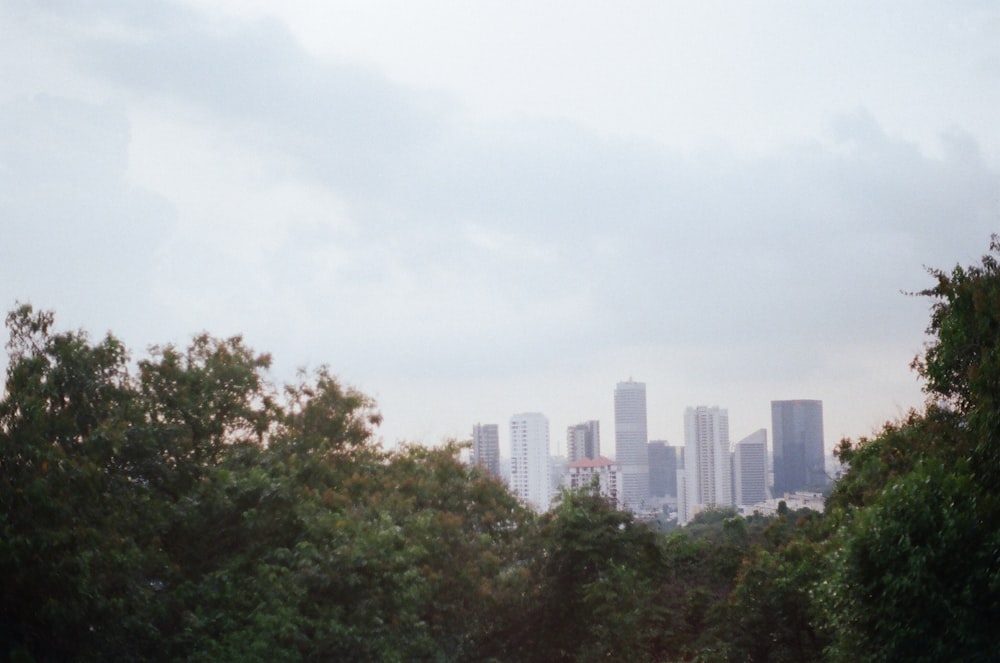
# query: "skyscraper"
486,447
707,463
583,441
683,505
630,442
750,469
662,469
797,436
529,459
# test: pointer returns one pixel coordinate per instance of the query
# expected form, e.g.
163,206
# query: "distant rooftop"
600,461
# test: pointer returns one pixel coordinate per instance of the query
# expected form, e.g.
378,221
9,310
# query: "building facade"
486,447
750,469
530,474
707,463
662,469
797,438
604,472
583,441
631,442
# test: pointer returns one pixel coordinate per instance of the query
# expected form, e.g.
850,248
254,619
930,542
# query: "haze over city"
469,211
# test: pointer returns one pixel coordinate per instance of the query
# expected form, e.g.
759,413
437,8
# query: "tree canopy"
183,507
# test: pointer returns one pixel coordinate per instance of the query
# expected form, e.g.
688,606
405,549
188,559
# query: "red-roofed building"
605,471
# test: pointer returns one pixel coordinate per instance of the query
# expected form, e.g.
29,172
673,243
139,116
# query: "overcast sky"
473,209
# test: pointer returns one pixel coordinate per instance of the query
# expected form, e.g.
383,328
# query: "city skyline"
269,265
562,448
709,468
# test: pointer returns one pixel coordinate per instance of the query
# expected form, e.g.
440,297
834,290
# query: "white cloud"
676,195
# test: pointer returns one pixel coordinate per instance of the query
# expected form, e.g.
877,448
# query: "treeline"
180,507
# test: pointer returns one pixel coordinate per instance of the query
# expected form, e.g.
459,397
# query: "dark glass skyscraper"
662,469
797,439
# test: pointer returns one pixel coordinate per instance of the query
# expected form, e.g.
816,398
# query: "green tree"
915,568
961,363
770,615
72,532
915,574
587,589
192,511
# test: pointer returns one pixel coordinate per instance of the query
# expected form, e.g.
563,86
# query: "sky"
469,210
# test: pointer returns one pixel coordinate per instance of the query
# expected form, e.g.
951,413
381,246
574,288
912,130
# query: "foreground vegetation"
182,508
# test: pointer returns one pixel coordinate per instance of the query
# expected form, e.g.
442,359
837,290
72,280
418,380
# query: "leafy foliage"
915,562
915,575
182,507
587,587
962,363
192,511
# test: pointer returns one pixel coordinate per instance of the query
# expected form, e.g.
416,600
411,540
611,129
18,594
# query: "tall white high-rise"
708,466
583,441
529,459
750,469
631,440
486,447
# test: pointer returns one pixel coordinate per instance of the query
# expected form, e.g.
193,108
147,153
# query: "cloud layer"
171,170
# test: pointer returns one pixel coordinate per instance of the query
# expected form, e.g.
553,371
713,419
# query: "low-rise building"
605,472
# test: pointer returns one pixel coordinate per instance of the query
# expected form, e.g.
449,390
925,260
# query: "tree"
915,573
770,615
192,511
961,363
587,589
72,528
915,567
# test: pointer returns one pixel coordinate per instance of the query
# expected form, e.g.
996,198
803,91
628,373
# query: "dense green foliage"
914,564
181,507
190,511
